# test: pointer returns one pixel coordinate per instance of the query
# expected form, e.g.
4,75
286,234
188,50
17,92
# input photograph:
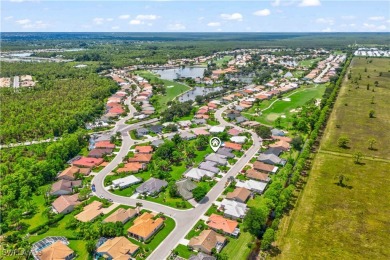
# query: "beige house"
145,226
117,248
207,240
121,215
56,251
90,212
65,203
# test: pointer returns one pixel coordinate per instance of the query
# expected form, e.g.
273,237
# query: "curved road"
185,219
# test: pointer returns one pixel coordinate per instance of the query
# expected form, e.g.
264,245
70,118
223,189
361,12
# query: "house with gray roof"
274,150
233,209
254,186
157,129
151,186
217,158
187,136
226,152
197,174
241,119
200,121
142,131
185,187
157,143
202,256
209,166
277,132
270,159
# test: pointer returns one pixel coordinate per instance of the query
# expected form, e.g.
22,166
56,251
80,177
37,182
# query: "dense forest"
57,105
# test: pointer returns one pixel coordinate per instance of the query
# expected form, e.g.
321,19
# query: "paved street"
185,219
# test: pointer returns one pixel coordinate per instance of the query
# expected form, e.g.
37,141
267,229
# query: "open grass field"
353,106
225,59
286,108
237,248
308,63
39,217
349,221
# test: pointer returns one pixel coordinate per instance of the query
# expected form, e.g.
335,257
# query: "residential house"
277,132
200,121
226,152
239,195
283,145
207,240
201,132
126,181
99,153
152,186
227,226
187,136
233,209
104,144
145,226
157,143
65,203
270,159
117,248
87,162
64,187
55,251
241,119
197,174
70,173
263,167
217,158
259,176
282,138
209,166
185,187
90,212
238,139
217,129
202,256
142,131
132,167
254,186
233,146
273,150
121,215
157,129
144,149
141,158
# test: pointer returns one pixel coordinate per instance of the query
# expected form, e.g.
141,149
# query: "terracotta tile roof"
64,201
233,146
201,132
99,152
104,144
117,247
282,144
90,212
220,223
253,174
55,251
282,138
131,167
260,166
141,157
121,215
144,149
207,239
69,173
145,225
88,162
65,185
234,131
239,193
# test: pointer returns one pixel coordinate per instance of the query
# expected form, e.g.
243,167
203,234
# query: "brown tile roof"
121,215
220,223
99,152
260,166
90,212
65,185
253,174
233,146
69,173
240,193
55,251
88,162
145,225
104,144
282,138
64,201
234,131
144,149
282,144
117,247
131,167
201,132
207,239
140,157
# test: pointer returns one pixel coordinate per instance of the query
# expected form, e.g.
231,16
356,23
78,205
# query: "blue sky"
195,16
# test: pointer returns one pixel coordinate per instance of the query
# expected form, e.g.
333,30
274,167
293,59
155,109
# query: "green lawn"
308,63
169,225
184,251
237,248
225,59
166,199
39,217
195,231
79,246
213,210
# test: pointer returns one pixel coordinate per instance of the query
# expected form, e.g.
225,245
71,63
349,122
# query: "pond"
187,72
197,91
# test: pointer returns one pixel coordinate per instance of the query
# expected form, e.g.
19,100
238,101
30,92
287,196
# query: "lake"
197,91
187,72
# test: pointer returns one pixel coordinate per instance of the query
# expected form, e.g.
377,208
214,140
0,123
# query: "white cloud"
327,30
348,17
201,18
109,19
329,21
115,28
352,24
214,24
310,3
147,17
275,3
124,16
264,12
373,27
98,20
23,21
233,16
376,18
8,18
135,22
176,27
21,1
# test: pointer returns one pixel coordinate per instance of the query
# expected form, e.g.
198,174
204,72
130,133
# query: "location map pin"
215,143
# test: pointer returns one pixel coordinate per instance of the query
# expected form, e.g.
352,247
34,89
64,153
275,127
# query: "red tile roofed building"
104,144
262,97
248,91
132,167
212,105
113,104
218,222
282,138
281,144
234,132
263,167
87,162
116,110
142,158
233,146
144,149
202,111
199,116
200,132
